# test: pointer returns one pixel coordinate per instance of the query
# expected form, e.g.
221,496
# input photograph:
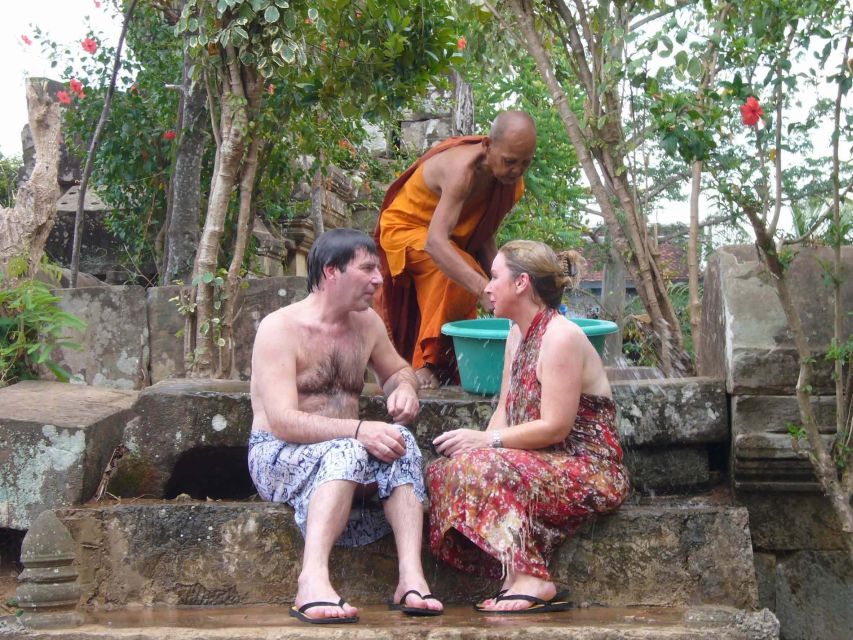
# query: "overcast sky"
65,22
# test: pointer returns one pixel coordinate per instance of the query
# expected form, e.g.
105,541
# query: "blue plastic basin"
479,345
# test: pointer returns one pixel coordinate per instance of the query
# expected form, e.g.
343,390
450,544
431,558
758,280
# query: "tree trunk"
234,127
24,228
462,122
244,233
182,234
613,305
593,145
694,305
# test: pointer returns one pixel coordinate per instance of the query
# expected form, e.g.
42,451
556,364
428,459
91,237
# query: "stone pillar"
48,591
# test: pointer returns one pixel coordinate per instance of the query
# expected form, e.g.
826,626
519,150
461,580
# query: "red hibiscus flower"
169,135
90,45
271,89
26,40
751,112
76,86
462,43
63,97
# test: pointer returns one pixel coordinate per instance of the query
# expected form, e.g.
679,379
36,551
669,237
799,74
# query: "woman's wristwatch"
497,443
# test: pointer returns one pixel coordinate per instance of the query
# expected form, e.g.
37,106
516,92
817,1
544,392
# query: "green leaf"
271,14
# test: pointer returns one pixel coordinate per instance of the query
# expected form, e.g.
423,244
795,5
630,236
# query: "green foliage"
132,165
31,326
555,196
9,168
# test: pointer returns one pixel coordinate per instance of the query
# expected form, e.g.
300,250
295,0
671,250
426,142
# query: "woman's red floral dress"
498,509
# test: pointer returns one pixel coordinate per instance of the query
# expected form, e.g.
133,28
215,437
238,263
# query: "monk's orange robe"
416,297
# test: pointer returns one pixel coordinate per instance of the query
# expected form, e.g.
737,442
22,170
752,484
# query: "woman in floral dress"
503,499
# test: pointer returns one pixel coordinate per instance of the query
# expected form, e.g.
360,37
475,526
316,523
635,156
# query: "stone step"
377,623
670,553
188,427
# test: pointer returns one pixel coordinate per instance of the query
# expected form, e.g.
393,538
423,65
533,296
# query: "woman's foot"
523,584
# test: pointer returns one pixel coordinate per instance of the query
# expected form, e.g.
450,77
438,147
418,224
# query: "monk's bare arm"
455,187
396,376
274,391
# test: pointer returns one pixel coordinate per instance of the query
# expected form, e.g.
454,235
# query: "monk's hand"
403,405
458,441
382,440
485,302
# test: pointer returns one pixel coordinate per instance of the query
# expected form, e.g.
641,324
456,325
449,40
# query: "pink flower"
90,45
169,135
462,43
26,40
97,4
63,97
751,112
271,89
76,86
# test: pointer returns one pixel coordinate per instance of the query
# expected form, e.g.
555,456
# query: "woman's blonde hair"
550,273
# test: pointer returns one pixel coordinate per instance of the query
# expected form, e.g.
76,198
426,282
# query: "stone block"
675,410
216,553
780,522
665,471
419,135
768,462
745,337
765,576
260,298
55,440
772,414
115,341
814,595
181,416
207,422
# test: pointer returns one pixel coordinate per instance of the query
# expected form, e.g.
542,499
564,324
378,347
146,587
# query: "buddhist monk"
436,238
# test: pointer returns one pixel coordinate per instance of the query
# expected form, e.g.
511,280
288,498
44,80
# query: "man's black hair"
335,248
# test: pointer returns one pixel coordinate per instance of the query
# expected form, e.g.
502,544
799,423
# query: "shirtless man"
308,447
436,233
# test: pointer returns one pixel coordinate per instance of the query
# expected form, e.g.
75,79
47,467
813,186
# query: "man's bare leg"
426,378
328,512
405,514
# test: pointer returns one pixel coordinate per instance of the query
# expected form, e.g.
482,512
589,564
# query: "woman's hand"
459,441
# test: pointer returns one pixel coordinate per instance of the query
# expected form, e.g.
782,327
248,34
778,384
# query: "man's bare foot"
320,590
522,585
426,378
414,600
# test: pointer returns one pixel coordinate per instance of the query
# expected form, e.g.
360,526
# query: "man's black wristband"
357,428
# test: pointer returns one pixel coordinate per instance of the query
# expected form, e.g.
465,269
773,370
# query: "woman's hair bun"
573,266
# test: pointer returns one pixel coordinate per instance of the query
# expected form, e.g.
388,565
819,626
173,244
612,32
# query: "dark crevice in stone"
219,473
10,550
718,456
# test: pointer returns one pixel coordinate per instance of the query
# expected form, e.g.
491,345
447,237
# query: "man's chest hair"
331,368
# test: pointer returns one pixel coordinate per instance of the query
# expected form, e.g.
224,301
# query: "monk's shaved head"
512,123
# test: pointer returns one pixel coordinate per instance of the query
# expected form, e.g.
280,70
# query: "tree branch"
93,146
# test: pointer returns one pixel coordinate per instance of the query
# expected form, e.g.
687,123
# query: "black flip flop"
478,606
558,603
414,611
299,613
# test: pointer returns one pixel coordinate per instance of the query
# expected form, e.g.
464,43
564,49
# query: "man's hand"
402,404
458,441
382,440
